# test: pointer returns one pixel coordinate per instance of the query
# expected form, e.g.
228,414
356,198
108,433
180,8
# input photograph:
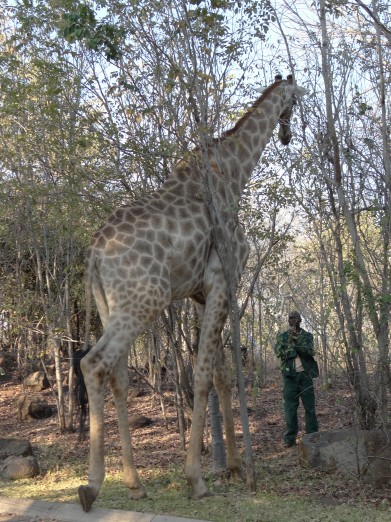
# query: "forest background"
98,102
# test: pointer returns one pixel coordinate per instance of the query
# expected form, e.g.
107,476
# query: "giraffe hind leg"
97,366
107,360
94,379
119,381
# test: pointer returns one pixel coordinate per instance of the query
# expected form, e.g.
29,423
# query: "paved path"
16,510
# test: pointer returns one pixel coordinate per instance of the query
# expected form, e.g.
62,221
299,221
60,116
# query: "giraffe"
159,249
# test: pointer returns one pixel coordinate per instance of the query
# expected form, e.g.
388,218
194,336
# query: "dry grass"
285,491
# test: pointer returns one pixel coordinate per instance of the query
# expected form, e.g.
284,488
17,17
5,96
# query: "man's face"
294,321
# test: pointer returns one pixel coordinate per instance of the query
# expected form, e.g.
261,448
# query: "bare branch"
386,32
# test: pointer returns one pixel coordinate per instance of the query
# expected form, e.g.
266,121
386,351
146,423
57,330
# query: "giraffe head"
293,92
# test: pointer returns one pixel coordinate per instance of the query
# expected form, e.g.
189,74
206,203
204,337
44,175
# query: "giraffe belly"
184,283
187,269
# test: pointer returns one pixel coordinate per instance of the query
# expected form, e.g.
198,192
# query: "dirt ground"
335,407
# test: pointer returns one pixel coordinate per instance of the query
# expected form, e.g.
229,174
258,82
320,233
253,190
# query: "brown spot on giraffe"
167,252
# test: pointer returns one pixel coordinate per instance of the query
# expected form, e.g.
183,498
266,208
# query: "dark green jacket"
288,346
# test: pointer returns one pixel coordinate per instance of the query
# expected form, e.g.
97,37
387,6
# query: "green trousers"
301,386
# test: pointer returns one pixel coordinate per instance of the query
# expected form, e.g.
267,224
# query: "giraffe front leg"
119,385
213,316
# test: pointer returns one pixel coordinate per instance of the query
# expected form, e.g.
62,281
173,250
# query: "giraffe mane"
254,106
196,150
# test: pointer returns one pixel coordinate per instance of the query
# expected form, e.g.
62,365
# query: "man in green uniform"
295,349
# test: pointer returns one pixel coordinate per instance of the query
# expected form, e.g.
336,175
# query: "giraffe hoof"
200,494
137,493
86,497
236,475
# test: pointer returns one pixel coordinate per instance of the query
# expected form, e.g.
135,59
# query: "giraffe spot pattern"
161,248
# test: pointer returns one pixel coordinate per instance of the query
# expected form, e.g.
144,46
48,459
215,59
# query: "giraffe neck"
237,152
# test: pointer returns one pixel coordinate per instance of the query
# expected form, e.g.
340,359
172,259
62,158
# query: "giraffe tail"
90,265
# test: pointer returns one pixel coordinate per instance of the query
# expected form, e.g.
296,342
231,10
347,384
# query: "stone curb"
62,512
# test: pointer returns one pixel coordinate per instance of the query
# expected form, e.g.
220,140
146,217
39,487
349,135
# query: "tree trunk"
60,391
71,396
383,369
366,404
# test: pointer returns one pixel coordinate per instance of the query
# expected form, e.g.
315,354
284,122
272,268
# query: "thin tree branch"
386,32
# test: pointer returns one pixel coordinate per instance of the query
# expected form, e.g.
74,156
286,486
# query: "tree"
342,193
